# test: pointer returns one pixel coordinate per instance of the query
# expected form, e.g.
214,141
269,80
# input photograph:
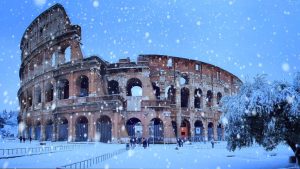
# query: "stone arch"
185,94
184,79
199,130
130,126
219,97
29,97
171,94
210,131
156,90
113,87
209,98
67,54
185,128
49,130
82,83
63,89
49,92
134,87
38,94
37,130
156,130
63,129
198,98
81,128
104,129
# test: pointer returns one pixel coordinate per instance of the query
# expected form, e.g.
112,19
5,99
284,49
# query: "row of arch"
58,56
134,88
133,126
103,129
63,91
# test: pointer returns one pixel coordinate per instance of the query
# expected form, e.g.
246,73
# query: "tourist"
212,143
20,138
24,139
30,139
145,143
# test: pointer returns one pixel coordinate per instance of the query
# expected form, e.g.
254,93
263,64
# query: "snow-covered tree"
263,112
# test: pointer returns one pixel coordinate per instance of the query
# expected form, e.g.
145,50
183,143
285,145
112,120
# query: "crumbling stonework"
64,96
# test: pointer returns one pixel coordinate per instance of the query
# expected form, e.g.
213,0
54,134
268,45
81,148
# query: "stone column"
71,128
33,132
72,86
76,53
91,127
192,123
205,127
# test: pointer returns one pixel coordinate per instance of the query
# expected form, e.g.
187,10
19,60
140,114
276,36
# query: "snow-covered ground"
195,156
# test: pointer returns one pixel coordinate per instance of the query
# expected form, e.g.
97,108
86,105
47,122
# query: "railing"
92,161
155,103
14,152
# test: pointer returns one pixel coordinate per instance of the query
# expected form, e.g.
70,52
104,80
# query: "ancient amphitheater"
66,96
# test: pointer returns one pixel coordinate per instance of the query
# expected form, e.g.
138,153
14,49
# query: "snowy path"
200,156
53,160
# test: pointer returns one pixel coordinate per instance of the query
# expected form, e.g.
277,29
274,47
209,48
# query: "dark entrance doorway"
199,131
63,129
49,130
81,129
104,127
156,131
131,127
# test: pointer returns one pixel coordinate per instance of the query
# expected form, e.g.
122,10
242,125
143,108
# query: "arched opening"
199,130
62,129
49,92
134,87
81,129
171,94
49,130
170,62
219,97
29,98
185,93
113,87
156,130
83,85
210,131
209,98
53,59
67,54
38,94
104,129
185,127
63,89
134,127
220,132
156,90
184,80
174,126
37,130
198,98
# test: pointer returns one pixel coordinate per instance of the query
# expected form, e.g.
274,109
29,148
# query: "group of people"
133,141
21,138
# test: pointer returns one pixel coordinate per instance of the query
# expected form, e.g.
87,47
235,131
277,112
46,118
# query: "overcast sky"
245,37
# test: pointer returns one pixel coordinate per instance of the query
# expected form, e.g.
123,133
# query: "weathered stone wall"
95,98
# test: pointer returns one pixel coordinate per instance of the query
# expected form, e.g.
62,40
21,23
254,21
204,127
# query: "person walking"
20,138
30,139
145,143
24,139
212,143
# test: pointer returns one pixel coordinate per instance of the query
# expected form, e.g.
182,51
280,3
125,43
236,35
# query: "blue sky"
244,37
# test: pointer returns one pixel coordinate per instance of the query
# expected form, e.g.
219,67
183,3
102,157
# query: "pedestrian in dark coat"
24,139
30,139
145,144
20,138
212,143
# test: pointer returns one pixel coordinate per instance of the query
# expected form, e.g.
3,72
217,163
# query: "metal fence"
15,152
92,161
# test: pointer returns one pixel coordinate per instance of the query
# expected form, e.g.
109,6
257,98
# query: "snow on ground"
200,156
195,156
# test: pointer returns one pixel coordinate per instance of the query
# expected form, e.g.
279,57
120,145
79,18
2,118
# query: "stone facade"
64,96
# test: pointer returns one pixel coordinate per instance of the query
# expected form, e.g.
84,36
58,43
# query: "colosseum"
65,96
